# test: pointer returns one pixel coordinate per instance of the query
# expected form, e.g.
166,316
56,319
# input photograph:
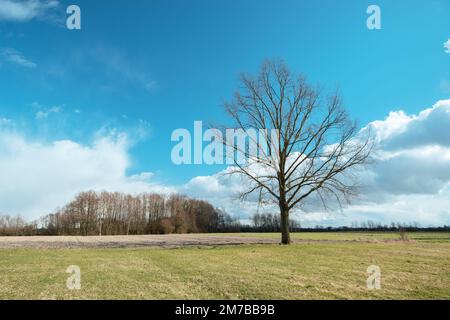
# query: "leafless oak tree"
313,150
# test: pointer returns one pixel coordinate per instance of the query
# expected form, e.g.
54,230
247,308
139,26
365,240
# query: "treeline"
105,213
267,222
376,226
16,226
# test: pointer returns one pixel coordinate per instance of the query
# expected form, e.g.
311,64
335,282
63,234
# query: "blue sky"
148,67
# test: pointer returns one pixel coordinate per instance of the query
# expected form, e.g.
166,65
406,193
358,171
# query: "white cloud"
5,122
22,11
38,177
427,210
221,190
447,46
13,56
42,114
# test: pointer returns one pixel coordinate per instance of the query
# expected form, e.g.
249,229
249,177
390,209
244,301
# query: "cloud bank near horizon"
410,181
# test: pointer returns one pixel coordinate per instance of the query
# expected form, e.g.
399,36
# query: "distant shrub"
403,234
165,226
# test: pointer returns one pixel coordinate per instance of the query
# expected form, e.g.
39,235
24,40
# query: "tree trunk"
100,227
285,236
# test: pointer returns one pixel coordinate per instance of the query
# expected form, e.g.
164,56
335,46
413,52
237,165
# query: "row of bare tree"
105,213
15,226
269,222
117,214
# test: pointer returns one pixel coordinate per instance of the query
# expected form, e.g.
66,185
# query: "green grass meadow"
418,269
